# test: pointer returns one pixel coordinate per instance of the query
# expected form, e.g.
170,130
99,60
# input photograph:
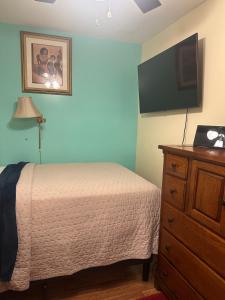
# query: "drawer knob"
171,220
175,295
173,191
164,274
174,166
167,248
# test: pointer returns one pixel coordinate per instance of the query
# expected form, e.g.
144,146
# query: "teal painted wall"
97,123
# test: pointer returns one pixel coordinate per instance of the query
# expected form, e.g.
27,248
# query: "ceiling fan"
147,5
144,5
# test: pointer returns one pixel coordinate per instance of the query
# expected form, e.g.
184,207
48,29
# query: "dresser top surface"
207,154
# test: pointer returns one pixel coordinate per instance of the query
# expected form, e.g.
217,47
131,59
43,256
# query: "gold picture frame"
46,63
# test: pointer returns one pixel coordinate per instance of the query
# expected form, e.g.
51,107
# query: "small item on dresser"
210,136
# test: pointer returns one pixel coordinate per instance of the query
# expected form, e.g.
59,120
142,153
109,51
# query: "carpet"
158,296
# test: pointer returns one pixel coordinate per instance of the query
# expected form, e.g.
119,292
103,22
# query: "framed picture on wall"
46,63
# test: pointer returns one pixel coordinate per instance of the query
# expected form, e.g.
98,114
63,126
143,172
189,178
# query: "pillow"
2,168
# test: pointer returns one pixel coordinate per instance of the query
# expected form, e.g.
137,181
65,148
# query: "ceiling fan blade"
147,5
46,1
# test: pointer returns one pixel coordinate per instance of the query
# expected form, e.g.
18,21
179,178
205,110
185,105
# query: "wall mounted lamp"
27,110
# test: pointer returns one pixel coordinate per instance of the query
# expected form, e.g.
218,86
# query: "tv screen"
170,79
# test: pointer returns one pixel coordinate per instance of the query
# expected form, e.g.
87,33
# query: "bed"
72,217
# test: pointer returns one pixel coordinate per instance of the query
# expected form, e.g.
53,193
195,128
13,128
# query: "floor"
117,282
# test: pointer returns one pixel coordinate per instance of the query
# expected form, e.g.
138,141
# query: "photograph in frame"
46,63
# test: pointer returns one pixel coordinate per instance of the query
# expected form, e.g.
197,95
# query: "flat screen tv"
170,79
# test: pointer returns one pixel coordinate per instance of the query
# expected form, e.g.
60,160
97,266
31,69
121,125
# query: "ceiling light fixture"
109,13
97,22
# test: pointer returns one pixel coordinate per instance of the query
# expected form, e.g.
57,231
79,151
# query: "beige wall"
167,128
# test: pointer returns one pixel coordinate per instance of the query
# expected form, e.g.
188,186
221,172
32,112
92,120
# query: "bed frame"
146,268
146,264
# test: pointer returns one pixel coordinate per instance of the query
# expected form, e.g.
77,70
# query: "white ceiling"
128,23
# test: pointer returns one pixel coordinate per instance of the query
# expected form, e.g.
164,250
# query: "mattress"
75,216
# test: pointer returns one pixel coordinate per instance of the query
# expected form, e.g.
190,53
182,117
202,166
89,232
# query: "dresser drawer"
204,243
174,191
176,284
210,285
176,165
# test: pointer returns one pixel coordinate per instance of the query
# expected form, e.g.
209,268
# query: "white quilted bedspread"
75,216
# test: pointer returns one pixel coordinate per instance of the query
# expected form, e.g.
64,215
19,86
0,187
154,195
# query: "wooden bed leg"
146,269
44,290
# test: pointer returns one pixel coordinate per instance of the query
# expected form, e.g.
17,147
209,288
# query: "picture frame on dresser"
210,136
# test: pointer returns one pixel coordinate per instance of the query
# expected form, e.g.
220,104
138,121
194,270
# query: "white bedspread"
75,216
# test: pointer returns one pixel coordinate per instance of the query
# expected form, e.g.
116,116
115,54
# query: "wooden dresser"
191,262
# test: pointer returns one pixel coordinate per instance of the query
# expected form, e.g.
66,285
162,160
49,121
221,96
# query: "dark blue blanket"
8,229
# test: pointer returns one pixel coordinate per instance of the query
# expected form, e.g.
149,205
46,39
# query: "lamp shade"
26,109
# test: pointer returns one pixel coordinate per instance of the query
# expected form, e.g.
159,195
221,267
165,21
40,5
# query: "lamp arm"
40,120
